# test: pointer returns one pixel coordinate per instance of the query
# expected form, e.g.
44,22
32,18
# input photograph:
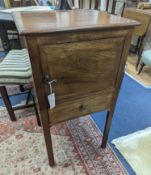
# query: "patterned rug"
144,77
76,146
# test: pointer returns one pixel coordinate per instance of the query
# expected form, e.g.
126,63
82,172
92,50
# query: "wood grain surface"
55,21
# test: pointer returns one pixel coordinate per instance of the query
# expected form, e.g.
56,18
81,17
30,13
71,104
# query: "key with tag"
51,100
51,96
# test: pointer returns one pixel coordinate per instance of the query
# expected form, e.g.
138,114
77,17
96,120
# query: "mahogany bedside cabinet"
78,55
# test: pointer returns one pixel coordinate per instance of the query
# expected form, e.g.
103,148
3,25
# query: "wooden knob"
81,108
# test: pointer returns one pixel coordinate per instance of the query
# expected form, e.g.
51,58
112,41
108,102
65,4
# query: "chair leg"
107,128
36,111
28,97
139,53
7,102
141,68
21,87
138,44
138,62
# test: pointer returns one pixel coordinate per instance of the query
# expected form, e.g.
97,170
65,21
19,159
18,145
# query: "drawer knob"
81,108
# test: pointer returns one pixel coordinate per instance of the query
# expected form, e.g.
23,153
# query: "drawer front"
80,107
82,68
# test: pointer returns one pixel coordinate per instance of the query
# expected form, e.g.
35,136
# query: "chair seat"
146,57
16,68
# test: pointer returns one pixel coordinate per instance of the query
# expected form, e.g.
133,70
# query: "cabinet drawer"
80,107
82,67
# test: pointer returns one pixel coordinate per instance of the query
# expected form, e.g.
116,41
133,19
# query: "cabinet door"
82,67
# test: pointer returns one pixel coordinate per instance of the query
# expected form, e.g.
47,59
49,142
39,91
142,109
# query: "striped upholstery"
16,68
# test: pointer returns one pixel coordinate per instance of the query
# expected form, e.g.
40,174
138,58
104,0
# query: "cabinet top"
58,21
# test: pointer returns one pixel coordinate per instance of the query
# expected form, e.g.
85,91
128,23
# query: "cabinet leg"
107,128
49,147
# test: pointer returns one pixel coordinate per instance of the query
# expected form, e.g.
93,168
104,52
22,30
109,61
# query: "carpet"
22,113
136,148
76,146
144,77
133,106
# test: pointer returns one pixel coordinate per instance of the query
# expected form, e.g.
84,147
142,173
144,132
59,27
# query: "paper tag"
51,100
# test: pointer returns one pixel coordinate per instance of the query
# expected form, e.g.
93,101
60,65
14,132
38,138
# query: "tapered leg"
107,128
7,102
45,117
120,76
48,141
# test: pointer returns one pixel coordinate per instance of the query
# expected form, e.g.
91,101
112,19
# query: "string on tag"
50,88
50,82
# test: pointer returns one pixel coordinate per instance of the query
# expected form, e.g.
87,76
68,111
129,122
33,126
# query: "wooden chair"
140,31
78,4
15,69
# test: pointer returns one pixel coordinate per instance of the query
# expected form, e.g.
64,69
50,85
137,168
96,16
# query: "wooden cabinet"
82,69
85,52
